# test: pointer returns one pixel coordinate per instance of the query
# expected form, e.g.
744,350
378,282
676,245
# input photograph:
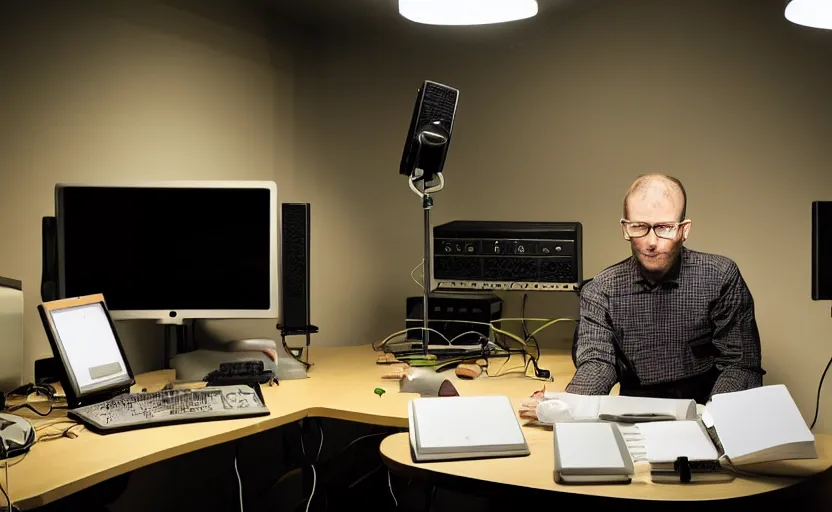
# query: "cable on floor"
239,483
390,485
314,482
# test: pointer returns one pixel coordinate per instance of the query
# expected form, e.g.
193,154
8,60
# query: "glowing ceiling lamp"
810,13
466,12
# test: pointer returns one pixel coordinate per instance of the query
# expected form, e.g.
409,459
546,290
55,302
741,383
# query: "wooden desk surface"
340,385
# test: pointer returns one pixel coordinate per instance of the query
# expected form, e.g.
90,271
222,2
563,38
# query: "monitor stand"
173,333
178,339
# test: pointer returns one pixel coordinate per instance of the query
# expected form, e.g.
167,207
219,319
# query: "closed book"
591,453
464,427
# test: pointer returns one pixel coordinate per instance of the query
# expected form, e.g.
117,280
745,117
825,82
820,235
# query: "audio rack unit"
491,255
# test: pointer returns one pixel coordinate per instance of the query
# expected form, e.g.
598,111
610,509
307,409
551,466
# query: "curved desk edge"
392,451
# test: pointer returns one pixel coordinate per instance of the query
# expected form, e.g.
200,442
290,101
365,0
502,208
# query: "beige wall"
556,118
134,91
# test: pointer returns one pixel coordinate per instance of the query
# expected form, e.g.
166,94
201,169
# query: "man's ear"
624,233
686,230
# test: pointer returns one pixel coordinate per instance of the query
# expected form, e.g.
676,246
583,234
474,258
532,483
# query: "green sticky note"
379,392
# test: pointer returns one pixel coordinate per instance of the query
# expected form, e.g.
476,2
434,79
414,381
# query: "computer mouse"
16,435
426,383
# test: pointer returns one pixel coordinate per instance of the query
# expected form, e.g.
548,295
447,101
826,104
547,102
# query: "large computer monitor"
169,251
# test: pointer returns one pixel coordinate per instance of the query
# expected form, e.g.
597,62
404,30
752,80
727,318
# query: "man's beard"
657,273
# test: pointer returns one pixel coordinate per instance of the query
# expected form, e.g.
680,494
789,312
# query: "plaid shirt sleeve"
594,352
736,336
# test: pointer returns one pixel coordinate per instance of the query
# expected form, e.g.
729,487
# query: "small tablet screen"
89,347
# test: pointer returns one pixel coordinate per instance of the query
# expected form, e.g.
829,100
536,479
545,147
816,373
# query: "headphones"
16,436
44,389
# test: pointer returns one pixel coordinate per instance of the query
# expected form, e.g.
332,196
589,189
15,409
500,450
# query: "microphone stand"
431,144
424,191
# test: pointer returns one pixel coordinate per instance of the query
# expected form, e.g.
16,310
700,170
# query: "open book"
760,425
756,425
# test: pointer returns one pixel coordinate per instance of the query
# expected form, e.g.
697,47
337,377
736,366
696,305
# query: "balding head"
655,189
654,209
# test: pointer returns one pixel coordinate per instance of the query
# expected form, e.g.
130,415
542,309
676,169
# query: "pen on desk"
635,418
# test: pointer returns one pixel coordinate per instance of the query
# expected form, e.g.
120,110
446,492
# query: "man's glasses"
667,230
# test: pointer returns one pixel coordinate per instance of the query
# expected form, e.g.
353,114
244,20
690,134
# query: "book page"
760,419
667,440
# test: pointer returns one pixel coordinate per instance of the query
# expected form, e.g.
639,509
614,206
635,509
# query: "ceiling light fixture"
810,13
466,12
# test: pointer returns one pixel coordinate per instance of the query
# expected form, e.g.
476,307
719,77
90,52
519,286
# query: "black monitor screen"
166,248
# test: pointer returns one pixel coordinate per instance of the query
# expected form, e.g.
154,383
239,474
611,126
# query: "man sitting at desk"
668,322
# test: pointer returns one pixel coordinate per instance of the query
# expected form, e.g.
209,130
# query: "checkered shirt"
700,318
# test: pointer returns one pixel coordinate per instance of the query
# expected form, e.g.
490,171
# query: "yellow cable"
547,323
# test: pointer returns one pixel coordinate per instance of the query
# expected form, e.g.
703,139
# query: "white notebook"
464,427
588,452
760,425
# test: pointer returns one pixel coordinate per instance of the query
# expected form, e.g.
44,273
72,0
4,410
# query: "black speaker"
49,259
822,250
294,268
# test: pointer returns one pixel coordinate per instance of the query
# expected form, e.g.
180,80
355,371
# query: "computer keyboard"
139,410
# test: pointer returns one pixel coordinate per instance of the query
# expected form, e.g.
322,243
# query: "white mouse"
425,382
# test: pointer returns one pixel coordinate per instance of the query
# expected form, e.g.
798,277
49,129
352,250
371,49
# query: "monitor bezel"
75,396
177,316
